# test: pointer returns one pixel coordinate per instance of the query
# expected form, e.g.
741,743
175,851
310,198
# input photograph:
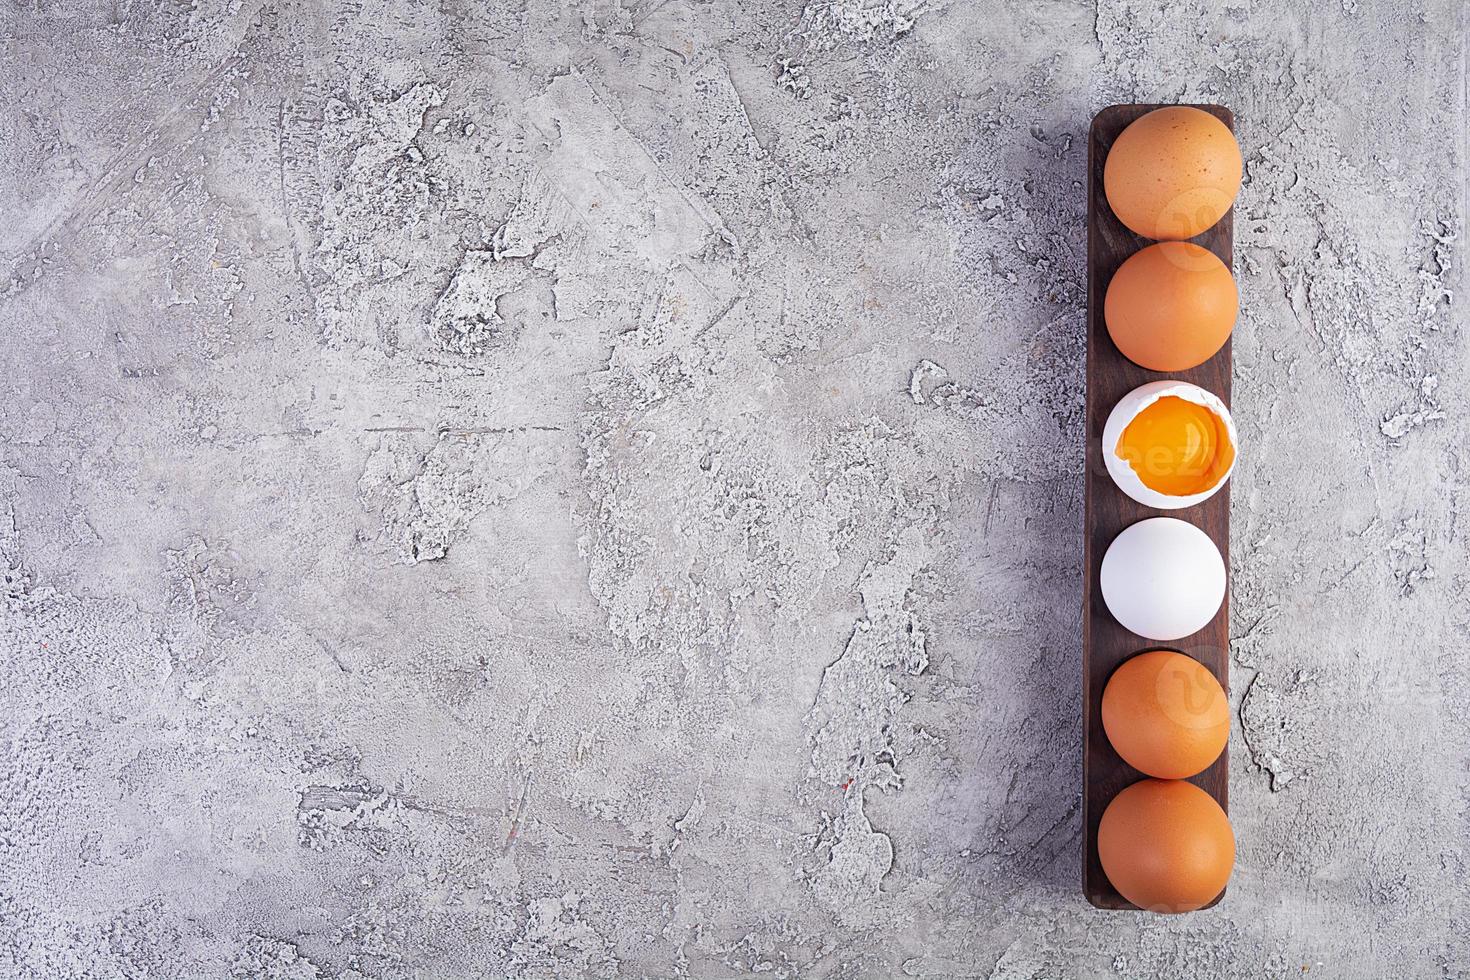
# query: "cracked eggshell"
1127,409
1163,578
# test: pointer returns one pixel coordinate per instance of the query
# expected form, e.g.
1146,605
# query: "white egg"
1129,406
1163,578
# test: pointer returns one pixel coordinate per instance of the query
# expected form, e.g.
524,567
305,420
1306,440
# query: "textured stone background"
534,490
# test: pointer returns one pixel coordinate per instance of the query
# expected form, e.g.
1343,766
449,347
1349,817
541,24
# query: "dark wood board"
1110,376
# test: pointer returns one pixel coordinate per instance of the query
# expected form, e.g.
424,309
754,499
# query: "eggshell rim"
1122,472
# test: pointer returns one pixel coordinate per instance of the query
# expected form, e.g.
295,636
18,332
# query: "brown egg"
1171,306
1172,173
1166,714
1166,845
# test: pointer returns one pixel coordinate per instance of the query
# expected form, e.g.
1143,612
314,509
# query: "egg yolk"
1177,447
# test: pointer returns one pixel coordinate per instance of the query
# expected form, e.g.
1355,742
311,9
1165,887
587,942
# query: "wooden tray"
1110,376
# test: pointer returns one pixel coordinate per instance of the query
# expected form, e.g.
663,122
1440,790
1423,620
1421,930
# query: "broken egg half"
1169,444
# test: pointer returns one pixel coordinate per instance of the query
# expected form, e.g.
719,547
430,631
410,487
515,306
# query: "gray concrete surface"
582,490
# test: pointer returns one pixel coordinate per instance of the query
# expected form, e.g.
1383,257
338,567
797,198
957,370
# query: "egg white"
1127,409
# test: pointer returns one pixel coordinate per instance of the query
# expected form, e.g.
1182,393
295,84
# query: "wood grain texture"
1106,644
